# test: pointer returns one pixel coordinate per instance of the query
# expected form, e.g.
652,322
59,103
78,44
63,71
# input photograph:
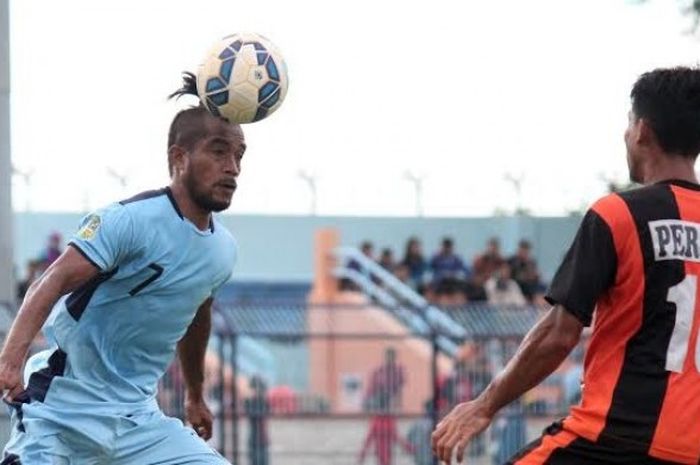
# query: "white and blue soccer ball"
243,78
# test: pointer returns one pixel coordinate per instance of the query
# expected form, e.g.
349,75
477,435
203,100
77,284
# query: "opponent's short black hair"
187,127
669,100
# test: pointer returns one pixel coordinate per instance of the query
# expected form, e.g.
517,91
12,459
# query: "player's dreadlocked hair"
188,125
189,86
669,100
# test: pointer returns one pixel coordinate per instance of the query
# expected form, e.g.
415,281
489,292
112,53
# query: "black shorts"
560,447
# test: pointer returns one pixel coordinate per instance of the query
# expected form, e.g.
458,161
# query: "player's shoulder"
619,208
150,204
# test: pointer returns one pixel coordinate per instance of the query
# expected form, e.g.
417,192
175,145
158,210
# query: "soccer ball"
243,78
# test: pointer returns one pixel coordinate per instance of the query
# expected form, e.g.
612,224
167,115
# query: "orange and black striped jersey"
632,271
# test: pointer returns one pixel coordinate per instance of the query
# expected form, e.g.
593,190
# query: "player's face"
634,154
214,164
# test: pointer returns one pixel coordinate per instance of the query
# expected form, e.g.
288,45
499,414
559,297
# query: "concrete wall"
281,247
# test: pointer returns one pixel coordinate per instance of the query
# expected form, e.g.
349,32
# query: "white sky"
460,92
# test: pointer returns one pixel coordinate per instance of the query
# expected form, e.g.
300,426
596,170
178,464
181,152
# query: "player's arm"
588,270
544,348
66,274
191,350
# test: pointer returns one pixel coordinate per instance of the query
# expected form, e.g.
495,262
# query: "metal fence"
291,384
320,391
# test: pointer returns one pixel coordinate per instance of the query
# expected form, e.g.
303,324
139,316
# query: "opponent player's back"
642,378
119,331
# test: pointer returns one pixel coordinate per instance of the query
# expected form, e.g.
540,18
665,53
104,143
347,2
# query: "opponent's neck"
189,209
665,168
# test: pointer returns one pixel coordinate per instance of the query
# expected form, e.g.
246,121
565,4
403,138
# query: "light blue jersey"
117,334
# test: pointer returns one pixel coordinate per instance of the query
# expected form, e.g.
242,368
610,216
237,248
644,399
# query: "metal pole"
234,400
7,286
221,395
436,387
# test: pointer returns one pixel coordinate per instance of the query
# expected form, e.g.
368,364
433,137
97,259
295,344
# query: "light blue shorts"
88,439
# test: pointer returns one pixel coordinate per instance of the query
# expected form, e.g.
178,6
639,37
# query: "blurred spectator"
383,434
403,274
386,383
524,270
474,289
367,249
419,437
490,261
446,264
283,400
34,269
502,290
386,260
257,410
53,250
449,292
414,260
458,387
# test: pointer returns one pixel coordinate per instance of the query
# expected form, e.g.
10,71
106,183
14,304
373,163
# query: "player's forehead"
219,130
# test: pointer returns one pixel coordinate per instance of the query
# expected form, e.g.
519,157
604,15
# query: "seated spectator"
474,289
367,249
502,290
486,264
449,292
415,262
524,270
386,260
446,264
403,274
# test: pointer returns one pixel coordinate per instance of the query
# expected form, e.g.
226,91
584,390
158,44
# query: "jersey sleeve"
105,237
588,269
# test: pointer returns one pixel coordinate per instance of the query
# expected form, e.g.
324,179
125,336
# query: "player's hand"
458,428
10,380
199,416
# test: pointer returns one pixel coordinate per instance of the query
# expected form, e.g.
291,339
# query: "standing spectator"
490,261
53,250
386,260
419,437
383,434
386,382
524,270
414,260
446,264
502,290
257,409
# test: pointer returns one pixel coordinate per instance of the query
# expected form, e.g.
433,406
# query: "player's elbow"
563,342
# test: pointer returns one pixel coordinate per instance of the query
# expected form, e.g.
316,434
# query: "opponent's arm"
544,348
66,274
191,351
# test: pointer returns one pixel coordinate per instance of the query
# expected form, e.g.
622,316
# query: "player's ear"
176,159
643,133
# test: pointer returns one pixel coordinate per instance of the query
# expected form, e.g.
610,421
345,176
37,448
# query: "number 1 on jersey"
683,295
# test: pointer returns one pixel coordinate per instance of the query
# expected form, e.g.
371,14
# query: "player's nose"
232,167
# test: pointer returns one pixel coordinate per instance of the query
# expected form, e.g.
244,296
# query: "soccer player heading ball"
632,272
139,276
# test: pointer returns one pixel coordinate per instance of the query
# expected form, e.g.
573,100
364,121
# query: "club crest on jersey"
88,231
675,240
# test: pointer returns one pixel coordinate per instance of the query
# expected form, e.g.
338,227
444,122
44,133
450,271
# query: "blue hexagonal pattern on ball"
215,84
226,68
267,90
